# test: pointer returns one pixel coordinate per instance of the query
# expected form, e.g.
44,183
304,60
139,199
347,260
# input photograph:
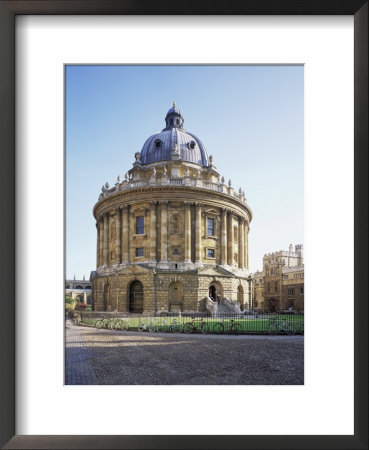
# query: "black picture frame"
8,12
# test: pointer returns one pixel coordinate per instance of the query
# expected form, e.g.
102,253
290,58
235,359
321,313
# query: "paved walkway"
115,357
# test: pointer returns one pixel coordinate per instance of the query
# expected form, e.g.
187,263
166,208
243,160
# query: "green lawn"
248,325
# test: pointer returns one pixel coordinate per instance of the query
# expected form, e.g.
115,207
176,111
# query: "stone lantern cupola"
174,118
160,146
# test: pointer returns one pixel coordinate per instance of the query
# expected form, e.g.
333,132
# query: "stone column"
187,237
84,297
198,233
164,232
106,240
223,244
241,246
110,238
97,244
125,235
153,232
101,244
230,238
246,245
117,237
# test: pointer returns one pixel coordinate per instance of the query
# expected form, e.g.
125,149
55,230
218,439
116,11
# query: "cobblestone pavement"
115,357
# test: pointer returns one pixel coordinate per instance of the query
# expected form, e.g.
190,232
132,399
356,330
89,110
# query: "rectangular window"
211,253
291,291
210,227
140,225
301,290
140,252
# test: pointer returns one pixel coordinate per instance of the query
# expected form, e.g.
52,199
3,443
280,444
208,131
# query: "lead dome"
159,146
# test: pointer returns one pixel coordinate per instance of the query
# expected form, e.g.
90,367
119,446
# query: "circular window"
157,143
192,145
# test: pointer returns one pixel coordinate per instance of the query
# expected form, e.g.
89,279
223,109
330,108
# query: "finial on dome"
174,104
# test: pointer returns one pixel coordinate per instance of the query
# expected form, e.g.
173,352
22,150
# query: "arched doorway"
240,296
215,291
136,297
212,292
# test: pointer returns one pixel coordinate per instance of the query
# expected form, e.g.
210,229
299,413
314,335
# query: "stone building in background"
79,289
280,286
172,235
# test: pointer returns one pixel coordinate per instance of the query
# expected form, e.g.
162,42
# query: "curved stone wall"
171,228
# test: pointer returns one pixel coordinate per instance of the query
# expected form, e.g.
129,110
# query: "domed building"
172,236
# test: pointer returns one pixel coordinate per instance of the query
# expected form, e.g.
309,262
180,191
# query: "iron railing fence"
251,323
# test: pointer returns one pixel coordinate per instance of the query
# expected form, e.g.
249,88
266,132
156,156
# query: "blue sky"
250,118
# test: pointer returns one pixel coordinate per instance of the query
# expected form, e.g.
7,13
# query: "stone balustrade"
160,181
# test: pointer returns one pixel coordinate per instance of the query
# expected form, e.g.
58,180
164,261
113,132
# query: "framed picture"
221,40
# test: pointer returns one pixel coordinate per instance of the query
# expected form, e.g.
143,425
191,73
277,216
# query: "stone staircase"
224,308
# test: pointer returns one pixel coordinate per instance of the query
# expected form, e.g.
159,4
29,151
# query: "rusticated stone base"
166,290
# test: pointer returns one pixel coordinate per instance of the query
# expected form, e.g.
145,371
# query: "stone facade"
280,286
170,231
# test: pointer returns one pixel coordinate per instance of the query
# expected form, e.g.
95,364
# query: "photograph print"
184,233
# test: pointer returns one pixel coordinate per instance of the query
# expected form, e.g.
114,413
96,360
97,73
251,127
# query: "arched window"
88,287
136,297
79,286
